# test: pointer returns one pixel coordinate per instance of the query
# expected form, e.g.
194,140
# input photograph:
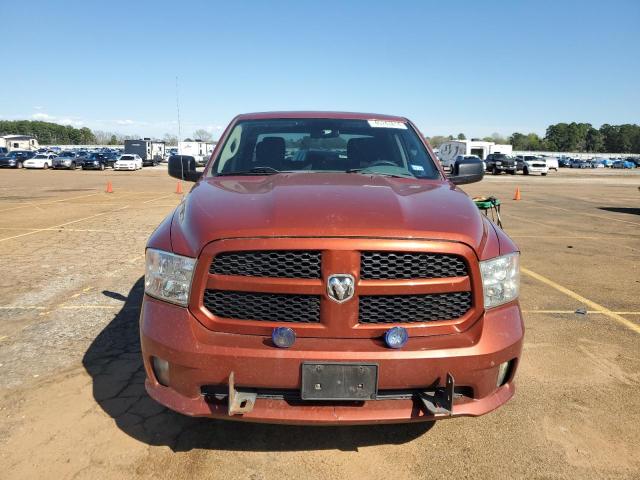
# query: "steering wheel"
380,163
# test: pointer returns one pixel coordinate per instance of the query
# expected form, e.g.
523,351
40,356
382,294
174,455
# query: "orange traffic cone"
179,188
517,195
109,188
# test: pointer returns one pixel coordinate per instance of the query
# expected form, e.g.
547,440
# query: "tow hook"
239,402
440,401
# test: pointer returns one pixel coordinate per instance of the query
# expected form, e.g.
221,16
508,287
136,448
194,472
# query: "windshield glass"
325,145
126,157
41,156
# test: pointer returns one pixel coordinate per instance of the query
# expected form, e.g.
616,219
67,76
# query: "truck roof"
317,114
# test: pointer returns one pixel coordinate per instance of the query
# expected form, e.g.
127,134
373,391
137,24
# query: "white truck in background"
449,151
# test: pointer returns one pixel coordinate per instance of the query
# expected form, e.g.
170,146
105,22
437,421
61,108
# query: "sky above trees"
468,66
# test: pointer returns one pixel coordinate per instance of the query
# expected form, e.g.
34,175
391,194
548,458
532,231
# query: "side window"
231,148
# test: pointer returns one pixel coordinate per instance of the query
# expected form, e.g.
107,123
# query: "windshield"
126,157
325,145
41,156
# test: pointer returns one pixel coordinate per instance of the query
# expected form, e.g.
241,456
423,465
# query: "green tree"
594,141
461,136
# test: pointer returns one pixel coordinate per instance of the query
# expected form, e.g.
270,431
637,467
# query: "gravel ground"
72,398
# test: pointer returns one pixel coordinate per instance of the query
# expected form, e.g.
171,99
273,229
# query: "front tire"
525,171
102,166
19,165
46,166
543,174
495,171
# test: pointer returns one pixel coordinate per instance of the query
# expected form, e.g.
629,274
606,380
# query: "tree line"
567,137
48,133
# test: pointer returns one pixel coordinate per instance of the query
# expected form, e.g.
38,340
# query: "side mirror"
184,168
467,170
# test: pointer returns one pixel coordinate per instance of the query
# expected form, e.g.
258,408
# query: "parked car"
534,164
41,160
67,160
16,158
497,163
128,162
552,163
95,161
564,162
577,163
3,151
635,160
341,345
111,158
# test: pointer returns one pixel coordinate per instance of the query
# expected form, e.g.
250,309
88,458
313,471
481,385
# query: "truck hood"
324,205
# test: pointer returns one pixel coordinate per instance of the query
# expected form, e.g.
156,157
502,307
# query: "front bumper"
199,357
505,168
124,167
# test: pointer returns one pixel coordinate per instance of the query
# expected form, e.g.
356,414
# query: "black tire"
102,166
46,166
19,165
512,172
525,171
73,166
543,174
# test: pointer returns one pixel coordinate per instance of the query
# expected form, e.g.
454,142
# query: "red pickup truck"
324,270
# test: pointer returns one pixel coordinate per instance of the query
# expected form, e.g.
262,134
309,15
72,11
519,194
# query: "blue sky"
476,67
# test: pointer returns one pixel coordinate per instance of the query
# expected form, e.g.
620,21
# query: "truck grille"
268,263
269,307
401,265
249,285
413,308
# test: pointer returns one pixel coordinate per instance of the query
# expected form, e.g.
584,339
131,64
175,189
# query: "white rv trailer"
197,149
19,142
448,151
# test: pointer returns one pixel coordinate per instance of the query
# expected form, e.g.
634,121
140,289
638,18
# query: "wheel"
525,171
543,174
46,166
495,171
19,165
73,165
102,166
512,172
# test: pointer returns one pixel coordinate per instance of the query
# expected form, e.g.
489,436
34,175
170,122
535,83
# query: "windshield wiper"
366,171
252,171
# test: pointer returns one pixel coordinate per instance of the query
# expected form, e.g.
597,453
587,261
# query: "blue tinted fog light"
396,337
283,337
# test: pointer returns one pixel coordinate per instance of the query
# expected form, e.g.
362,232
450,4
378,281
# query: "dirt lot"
73,404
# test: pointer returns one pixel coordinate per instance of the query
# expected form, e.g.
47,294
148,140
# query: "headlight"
500,279
168,276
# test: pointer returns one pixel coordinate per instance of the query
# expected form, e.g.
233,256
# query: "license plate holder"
339,381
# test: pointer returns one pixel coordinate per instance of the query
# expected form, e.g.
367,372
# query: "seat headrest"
362,151
270,152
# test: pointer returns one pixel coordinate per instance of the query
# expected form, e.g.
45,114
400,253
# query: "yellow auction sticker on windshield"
387,124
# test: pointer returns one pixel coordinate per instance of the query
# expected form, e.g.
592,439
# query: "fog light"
396,337
503,372
161,370
283,337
